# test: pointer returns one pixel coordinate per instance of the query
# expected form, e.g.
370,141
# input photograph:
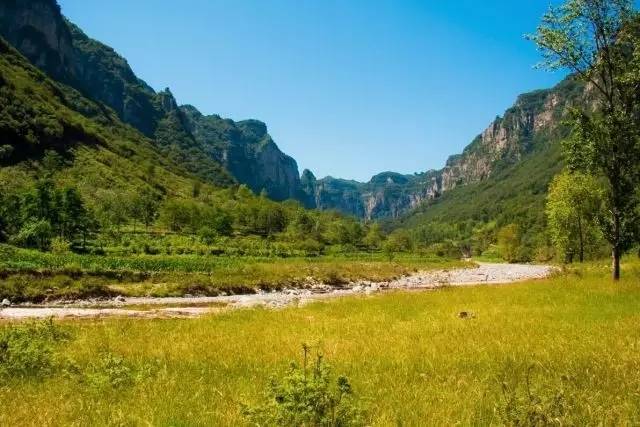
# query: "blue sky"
349,88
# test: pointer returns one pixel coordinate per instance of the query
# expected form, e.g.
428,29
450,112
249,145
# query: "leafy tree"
176,215
374,237
218,220
574,208
509,240
73,214
35,235
111,209
271,219
597,40
144,207
400,240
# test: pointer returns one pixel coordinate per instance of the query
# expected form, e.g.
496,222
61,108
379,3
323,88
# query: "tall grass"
561,351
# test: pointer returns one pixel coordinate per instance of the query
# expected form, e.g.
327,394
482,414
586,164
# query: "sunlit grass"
409,356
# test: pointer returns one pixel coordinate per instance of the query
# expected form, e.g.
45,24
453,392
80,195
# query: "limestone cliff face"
108,78
277,173
506,140
37,29
531,125
248,152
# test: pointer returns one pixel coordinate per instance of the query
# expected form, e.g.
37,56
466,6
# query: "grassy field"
32,276
560,352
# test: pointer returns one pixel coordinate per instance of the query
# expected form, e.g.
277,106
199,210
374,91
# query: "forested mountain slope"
39,31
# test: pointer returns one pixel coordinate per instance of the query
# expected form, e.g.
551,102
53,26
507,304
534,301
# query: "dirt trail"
197,306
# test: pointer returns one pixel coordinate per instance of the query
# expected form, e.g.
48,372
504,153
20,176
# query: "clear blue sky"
349,88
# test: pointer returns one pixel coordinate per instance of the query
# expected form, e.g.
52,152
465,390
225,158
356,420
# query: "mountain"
245,154
95,150
527,134
247,151
510,163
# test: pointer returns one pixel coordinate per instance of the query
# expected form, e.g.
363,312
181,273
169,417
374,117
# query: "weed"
308,396
27,350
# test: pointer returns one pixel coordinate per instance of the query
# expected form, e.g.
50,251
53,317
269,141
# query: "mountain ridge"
38,29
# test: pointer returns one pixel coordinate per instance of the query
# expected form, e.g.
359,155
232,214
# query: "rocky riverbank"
197,306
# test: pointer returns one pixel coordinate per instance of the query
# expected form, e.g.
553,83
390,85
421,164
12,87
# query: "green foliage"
27,350
400,240
523,406
574,210
111,371
35,234
509,241
308,396
598,40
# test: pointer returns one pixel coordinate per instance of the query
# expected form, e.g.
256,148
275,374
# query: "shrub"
26,350
35,235
308,396
522,406
112,371
60,246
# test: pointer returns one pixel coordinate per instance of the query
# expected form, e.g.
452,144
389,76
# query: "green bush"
308,396
35,235
27,350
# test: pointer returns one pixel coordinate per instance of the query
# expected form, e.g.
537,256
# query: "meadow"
557,352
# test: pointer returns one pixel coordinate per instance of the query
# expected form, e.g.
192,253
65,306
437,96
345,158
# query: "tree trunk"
616,253
581,240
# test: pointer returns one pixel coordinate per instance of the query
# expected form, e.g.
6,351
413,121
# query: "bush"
35,235
60,246
207,235
112,371
26,350
308,396
523,406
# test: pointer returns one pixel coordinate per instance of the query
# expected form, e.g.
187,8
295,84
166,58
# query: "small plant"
308,396
27,350
522,406
112,370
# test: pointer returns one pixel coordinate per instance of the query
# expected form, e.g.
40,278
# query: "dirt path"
197,306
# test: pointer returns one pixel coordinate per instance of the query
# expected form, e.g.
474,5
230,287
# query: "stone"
466,315
6,302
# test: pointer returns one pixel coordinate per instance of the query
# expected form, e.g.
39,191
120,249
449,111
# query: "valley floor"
196,306
557,351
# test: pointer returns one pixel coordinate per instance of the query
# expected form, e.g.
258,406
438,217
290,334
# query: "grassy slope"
408,354
514,195
101,152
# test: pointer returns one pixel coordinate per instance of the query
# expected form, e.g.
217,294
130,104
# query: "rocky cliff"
243,150
248,152
531,125
37,29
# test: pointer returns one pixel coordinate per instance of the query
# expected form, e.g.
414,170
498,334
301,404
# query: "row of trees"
33,218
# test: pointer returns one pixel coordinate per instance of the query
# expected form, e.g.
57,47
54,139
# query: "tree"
597,40
509,240
374,237
143,208
574,207
73,215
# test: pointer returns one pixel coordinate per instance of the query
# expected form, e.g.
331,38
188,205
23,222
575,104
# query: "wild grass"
32,276
562,352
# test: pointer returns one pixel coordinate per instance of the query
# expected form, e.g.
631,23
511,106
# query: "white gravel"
193,306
